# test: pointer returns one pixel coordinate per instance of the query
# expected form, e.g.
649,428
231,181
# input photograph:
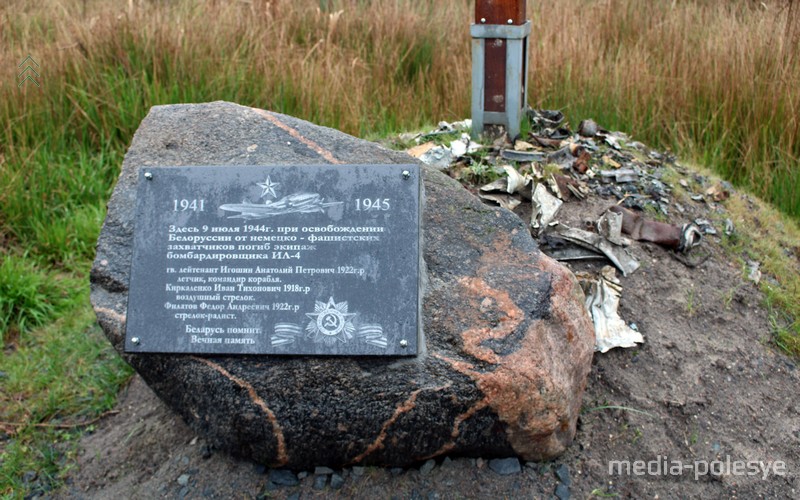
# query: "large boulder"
507,342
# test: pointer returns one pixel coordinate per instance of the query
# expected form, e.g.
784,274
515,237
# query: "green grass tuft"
29,296
59,377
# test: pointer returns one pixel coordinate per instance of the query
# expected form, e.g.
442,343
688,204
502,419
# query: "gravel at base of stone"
562,473
337,481
320,482
427,467
283,477
505,466
562,492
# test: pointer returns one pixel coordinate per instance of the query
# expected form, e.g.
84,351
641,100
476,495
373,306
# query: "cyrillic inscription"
276,260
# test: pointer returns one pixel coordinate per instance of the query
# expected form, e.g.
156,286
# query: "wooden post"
499,64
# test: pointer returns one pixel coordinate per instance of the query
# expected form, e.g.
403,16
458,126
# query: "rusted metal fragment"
641,229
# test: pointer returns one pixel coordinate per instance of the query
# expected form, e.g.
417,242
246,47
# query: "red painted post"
499,72
497,12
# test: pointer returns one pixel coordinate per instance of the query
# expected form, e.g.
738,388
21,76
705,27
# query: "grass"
29,297
57,378
771,238
716,81
691,304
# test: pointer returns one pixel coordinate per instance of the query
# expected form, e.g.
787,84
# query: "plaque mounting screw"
406,174
404,343
135,341
510,21
148,176
483,19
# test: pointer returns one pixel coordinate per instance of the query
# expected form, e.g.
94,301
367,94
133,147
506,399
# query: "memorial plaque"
302,259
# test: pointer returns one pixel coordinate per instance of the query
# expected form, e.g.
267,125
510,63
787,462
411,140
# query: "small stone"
587,128
562,473
505,466
322,471
480,463
359,471
183,480
294,496
283,477
320,481
427,467
562,492
302,475
396,471
185,460
260,469
184,491
337,481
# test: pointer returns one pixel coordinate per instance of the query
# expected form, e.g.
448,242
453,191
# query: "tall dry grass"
717,80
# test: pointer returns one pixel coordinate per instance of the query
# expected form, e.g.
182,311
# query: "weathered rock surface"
507,345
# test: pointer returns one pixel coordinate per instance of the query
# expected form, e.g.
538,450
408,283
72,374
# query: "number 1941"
366,204
184,205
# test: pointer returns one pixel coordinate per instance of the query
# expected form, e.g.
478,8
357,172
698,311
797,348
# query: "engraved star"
269,187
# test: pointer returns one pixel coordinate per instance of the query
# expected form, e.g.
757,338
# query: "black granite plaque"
306,259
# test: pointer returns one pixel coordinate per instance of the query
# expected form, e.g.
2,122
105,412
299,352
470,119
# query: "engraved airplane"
304,203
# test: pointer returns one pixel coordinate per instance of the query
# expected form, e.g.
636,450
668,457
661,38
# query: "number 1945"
366,204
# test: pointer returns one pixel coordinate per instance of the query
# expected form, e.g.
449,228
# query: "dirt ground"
706,389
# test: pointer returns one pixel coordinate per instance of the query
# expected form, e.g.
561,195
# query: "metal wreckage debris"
553,166
602,301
